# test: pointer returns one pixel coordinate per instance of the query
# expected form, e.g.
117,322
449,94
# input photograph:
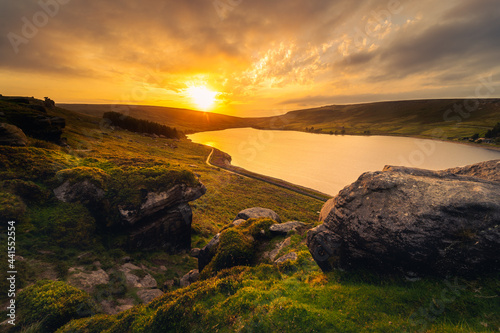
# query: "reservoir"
328,163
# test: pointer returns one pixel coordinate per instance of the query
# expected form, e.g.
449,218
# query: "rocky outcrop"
156,202
163,220
413,220
257,212
11,135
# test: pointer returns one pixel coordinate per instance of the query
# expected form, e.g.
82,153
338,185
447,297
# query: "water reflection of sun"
210,144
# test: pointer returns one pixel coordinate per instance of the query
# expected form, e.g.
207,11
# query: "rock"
195,252
171,231
238,222
189,278
406,219
84,255
147,295
290,256
257,212
87,280
132,276
163,221
169,284
82,191
11,135
111,308
285,228
155,202
207,252
274,253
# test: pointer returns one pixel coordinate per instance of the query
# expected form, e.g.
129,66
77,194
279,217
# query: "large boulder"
163,221
11,135
156,202
256,213
413,220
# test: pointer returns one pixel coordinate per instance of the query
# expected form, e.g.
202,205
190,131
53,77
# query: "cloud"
316,51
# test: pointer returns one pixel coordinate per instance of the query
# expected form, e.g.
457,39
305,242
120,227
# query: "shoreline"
220,159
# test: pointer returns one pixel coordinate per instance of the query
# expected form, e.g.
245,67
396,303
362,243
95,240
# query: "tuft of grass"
51,304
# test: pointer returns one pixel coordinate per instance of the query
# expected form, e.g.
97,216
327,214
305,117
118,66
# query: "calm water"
328,163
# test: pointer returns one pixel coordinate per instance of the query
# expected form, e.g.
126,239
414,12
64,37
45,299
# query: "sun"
203,97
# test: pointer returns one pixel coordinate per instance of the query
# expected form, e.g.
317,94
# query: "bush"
95,324
12,208
33,163
53,304
29,191
142,126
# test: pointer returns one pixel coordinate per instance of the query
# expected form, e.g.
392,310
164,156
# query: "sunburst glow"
203,97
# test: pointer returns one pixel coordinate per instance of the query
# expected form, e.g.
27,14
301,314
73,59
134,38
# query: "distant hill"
408,118
450,117
183,119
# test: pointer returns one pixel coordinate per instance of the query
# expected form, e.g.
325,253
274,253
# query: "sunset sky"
258,57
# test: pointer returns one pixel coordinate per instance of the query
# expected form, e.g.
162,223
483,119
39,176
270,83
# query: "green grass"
266,299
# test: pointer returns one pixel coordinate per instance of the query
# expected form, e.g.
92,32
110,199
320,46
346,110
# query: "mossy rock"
238,244
234,249
79,174
53,304
258,228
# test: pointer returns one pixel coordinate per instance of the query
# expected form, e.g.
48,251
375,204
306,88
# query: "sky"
259,57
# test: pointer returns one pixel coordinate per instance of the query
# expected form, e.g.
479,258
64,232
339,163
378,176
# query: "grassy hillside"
451,119
446,119
183,119
292,297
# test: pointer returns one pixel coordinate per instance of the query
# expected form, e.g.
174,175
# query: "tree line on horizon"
142,126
